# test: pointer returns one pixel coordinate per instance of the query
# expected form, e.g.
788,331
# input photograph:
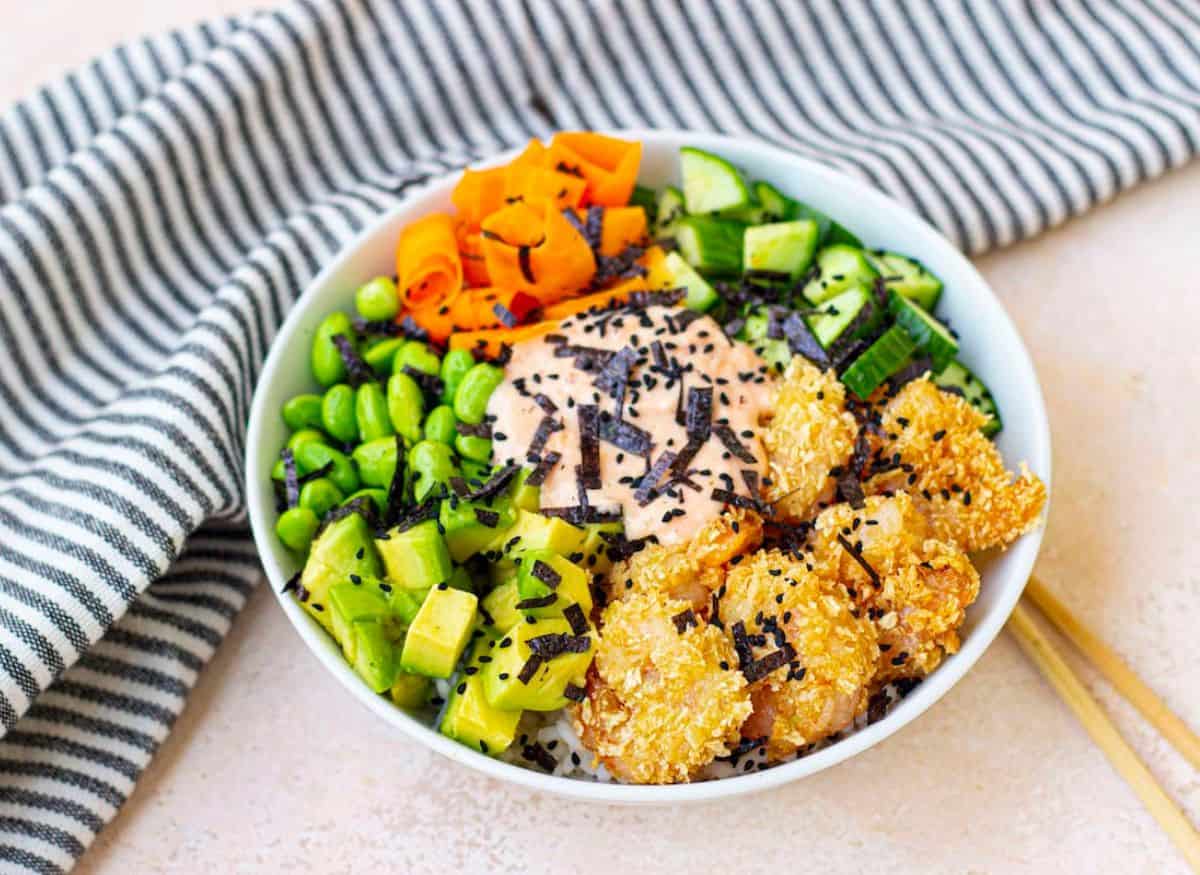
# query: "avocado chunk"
595,547
471,526
468,717
342,549
375,655
501,606
512,682
532,531
439,633
547,583
407,602
410,690
415,558
348,603
524,496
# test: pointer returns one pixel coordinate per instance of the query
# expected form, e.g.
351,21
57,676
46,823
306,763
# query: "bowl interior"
990,344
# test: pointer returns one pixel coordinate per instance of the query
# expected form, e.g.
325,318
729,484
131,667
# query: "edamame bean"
296,527
376,461
406,406
326,361
312,456
432,464
304,436
471,397
419,356
377,496
378,299
371,412
439,424
381,354
320,496
469,446
338,414
303,411
455,365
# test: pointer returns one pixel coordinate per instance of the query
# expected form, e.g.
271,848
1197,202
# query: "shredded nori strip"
624,435
377,328
546,574
357,371
698,417
412,330
543,401
574,693
614,376
741,645
506,316
801,340
538,476
593,230
479,429
646,488
727,436
539,602
291,483
548,426
659,353
642,299
529,669
495,484
395,496
315,474
725,496
363,506
570,216
426,510
858,557
554,644
431,384
684,619
849,488
620,547
734,326
459,487
589,447
573,614
579,515
293,582
535,753
489,518
776,659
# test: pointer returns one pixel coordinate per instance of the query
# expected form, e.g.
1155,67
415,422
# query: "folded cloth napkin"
163,206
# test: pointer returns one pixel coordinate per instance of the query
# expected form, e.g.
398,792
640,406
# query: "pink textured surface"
272,768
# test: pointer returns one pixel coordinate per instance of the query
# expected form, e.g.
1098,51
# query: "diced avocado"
539,569
595,547
522,495
469,719
410,690
416,558
501,605
375,655
344,548
348,603
460,578
471,526
407,602
438,634
532,531
507,688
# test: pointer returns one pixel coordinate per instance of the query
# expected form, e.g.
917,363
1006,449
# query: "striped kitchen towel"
161,208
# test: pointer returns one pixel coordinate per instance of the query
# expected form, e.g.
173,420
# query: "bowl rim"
916,703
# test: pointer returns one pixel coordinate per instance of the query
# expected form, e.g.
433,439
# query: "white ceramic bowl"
990,344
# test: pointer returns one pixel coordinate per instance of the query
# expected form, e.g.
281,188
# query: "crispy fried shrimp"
917,589
659,704
824,687
810,433
693,570
957,477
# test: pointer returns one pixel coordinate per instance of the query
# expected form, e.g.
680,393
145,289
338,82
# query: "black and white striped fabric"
161,209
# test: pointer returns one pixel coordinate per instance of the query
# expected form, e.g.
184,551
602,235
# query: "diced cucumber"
930,335
841,313
776,206
908,277
700,295
956,377
711,245
780,247
840,267
710,183
646,198
668,211
880,360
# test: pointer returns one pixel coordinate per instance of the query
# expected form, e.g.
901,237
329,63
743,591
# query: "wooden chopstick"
1120,675
1123,758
